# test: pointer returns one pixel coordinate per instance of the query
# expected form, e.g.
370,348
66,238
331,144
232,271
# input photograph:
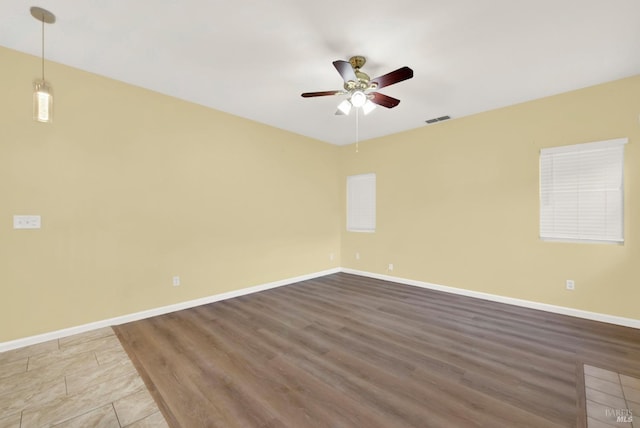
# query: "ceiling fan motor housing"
363,80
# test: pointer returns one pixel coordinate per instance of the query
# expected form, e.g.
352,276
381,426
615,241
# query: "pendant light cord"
43,48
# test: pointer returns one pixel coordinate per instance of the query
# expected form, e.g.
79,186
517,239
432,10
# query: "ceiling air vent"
437,119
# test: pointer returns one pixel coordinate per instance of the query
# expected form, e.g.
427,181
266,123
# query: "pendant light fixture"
42,91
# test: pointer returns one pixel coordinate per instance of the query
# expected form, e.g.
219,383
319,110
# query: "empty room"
320,214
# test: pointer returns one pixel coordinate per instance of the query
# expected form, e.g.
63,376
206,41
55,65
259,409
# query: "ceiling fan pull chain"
357,129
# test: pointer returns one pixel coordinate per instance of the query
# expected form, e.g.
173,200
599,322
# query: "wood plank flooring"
348,351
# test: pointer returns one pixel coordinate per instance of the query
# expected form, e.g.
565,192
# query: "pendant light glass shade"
42,101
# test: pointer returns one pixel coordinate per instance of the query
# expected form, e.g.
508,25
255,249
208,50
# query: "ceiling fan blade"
384,100
320,94
346,70
396,76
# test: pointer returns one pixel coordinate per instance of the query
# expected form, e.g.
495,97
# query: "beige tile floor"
86,380
613,399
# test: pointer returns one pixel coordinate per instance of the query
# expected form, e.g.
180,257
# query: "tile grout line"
624,396
116,413
627,401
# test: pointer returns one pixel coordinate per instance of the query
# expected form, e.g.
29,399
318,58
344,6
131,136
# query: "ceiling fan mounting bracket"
357,61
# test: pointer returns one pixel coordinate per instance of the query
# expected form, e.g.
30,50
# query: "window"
581,192
361,203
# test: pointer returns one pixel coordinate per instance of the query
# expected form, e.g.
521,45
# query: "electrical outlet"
357,256
390,267
176,281
331,256
570,284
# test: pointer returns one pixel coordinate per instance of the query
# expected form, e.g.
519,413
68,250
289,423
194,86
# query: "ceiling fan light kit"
360,88
358,98
368,107
344,107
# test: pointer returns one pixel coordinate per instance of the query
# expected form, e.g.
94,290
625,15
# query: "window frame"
361,207
554,214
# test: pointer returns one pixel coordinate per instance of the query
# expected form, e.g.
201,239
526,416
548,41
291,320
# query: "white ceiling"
254,59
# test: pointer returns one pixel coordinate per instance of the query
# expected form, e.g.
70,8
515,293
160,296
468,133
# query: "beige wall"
457,203
139,187
135,187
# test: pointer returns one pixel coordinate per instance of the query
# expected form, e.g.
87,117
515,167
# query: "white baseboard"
32,340
594,316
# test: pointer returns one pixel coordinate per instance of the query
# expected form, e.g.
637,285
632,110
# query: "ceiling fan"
362,89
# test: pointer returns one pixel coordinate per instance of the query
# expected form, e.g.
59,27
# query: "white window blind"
361,203
581,192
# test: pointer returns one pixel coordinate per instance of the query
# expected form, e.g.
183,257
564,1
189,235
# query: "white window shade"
581,192
361,203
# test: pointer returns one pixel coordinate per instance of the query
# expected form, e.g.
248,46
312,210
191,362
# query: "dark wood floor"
347,351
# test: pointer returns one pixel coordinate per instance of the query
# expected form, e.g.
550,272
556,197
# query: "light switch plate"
26,222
